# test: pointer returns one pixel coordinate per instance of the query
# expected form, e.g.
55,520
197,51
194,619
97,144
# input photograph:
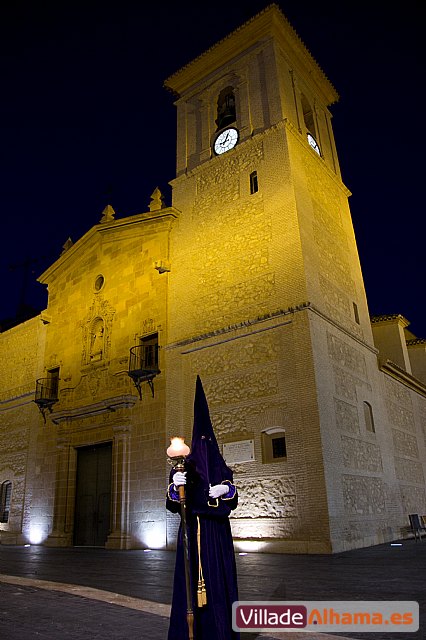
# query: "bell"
226,111
226,118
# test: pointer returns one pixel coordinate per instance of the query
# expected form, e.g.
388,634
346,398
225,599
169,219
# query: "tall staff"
177,453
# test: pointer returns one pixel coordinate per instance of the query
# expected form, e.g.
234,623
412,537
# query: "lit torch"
177,453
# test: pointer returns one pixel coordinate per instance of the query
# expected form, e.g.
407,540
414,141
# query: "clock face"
226,140
314,144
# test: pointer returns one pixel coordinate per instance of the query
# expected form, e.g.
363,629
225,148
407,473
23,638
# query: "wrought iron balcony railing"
46,394
143,365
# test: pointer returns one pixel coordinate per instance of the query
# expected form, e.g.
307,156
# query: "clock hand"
226,139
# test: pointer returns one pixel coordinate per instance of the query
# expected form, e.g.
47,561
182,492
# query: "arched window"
226,112
5,497
368,416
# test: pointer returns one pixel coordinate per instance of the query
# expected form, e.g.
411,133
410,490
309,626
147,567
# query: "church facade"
251,280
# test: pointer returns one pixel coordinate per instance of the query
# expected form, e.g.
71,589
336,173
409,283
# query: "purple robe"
214,620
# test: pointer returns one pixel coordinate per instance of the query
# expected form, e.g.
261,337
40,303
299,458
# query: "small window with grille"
254,182
274,447
278,447
5,498
356,313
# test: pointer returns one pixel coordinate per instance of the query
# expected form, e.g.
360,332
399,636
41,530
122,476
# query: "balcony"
46,394
143,365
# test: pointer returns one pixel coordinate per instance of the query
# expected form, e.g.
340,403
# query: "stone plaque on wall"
241,451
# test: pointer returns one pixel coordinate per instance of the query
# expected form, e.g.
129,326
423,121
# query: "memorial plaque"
240,451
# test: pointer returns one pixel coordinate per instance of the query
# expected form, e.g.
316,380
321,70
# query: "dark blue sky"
85,121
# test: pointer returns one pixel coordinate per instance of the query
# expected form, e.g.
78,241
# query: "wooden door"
93,495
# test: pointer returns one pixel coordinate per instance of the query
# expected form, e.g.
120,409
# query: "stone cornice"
270,22
267,317
416,342
235,327
87,411
338,326
19,327
392,369
16,400
390,318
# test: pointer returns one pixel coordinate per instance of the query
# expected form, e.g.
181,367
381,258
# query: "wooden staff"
177,452
189,611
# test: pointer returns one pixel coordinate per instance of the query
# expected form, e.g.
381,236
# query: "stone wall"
21,351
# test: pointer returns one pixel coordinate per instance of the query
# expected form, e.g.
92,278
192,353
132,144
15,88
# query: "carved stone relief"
334,297
397,392
344,355
94,380
400,416
237,354
347,384
242,419
241,387
347,417
360,455
363,495
413,499
148,326
333,258
409,470
272,497
96,331
405,444
338,306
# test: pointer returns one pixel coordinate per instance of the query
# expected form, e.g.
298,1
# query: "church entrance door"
93,495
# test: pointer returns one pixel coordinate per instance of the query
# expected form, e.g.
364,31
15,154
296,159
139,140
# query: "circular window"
99,283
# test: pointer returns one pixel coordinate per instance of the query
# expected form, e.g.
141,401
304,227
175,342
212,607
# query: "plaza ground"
79,593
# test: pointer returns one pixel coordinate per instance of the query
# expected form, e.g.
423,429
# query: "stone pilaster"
119,537
60,536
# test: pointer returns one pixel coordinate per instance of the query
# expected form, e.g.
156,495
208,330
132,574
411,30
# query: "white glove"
218,490
179,478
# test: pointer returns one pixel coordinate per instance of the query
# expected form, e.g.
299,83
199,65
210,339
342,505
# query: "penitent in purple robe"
205,466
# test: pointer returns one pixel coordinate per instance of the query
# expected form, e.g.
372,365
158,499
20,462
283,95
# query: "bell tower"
266,297
258,181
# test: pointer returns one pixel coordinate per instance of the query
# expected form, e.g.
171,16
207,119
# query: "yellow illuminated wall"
261,295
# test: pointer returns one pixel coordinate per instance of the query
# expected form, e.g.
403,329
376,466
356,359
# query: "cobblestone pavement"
82,593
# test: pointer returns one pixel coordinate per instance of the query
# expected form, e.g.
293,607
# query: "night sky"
85,122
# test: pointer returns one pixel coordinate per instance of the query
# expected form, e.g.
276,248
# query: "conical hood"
205,455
